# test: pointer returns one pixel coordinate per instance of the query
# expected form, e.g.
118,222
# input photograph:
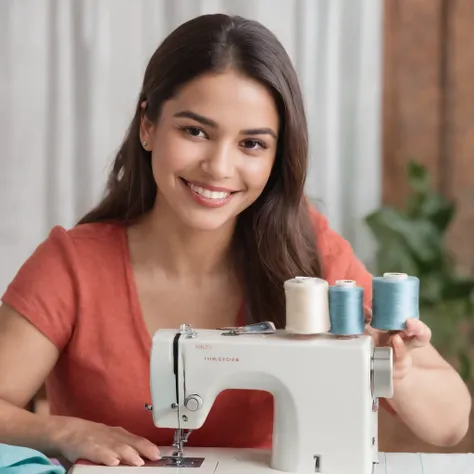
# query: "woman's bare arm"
26,358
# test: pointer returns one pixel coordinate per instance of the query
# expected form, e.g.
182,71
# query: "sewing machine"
325,389
325,393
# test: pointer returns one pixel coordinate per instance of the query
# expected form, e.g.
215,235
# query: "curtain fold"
71,71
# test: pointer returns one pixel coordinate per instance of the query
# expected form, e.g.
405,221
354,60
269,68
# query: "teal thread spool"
395,298
346,308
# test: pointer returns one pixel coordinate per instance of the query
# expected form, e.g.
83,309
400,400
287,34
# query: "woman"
203,220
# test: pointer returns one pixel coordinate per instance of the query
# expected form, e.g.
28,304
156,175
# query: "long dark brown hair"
274,238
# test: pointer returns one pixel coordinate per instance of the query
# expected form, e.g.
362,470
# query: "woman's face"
213,148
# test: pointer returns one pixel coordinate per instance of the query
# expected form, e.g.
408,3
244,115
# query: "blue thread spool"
395,298
346,308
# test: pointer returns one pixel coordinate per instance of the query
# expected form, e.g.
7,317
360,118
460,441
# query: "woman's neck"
180,250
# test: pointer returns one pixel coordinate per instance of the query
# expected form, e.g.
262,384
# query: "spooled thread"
395,298
307,307
346,308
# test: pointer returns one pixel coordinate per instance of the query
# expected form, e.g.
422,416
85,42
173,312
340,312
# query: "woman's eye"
254,144
194,131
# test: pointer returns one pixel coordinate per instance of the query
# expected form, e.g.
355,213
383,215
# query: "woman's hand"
79,439
429,395
415,336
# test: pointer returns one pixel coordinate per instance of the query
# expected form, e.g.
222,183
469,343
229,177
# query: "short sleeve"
338,258
43,290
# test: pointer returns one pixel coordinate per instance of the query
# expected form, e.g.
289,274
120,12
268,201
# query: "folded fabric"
21,460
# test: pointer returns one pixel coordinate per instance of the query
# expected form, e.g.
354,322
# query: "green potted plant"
412,240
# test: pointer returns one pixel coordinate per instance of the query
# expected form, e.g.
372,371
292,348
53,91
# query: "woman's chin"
207,222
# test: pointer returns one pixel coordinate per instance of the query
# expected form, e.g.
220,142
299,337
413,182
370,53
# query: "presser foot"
177,458
180,437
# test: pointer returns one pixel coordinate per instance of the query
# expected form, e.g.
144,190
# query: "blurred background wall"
385,82
428,103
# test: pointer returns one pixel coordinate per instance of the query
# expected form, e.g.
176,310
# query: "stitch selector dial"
193,402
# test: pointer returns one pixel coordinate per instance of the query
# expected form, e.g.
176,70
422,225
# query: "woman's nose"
219,163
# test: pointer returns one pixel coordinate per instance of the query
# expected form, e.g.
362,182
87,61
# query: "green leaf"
420,237
431,288
438,210
424,202
444,320
457,287
414,205
393,257
418,177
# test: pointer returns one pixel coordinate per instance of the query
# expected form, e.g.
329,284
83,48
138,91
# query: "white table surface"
222,462
422,463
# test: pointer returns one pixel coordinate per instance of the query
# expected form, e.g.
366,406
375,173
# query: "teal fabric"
20,460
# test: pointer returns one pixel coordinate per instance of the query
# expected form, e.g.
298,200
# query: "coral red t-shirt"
78,289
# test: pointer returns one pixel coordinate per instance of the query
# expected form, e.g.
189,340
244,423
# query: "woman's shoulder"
82,241
68,259
102,232
54,281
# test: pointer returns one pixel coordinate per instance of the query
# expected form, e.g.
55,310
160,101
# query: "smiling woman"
207,147
203,220
221,113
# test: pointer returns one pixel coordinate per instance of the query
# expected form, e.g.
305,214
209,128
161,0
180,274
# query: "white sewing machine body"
324,405
325,389
325,417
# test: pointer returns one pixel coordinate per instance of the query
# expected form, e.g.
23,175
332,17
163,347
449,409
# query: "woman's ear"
146,128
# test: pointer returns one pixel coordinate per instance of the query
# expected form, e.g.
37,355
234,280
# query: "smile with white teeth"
207,193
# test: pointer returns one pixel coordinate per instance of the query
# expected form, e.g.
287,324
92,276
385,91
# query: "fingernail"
139,462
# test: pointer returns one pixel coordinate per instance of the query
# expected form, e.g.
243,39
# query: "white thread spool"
307,305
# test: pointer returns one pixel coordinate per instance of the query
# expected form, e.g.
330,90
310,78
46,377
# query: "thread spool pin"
345,283
395,276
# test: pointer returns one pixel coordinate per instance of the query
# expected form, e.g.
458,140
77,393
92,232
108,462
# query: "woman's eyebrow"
197,117
212,123
259,131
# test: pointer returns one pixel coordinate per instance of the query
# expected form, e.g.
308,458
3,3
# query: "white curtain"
70,72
